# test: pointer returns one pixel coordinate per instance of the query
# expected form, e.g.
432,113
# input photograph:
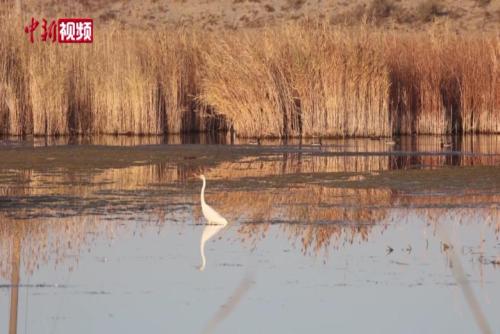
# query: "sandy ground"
463,15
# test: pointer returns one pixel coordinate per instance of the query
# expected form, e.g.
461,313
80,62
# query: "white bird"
215,220
212,216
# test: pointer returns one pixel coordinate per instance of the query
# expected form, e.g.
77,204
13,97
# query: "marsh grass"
299,80
296,79
139,83
450,86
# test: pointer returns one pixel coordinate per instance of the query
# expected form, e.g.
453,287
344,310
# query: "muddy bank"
71,180
90,157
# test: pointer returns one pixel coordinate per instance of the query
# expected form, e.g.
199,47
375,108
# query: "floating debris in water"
446,246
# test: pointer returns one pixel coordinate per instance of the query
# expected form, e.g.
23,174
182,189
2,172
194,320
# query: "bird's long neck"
203,192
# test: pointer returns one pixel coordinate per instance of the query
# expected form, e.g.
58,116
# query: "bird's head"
201,177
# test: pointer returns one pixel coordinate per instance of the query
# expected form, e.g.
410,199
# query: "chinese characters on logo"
75,30
66,30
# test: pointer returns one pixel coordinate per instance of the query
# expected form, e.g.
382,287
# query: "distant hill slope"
462,15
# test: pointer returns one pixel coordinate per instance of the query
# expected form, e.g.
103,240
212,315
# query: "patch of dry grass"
315,80
428,9
444,83
299,80
140,83
293,79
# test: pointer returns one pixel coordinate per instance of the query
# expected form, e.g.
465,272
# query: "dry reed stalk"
480,85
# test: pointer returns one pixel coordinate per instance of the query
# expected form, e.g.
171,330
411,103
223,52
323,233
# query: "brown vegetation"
110,87
294,79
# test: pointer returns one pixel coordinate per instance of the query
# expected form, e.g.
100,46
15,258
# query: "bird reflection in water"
215,223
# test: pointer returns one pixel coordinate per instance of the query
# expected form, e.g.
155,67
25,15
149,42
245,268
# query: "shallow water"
103,235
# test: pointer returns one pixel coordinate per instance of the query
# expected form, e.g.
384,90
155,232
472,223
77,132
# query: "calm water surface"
106,235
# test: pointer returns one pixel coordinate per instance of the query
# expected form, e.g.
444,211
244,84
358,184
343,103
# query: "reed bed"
139,83
293,80
301,79
444,83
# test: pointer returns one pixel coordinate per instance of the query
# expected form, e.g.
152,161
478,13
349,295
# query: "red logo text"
65,30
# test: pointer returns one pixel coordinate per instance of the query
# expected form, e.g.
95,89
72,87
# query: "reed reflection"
55,213
120,140
15,280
